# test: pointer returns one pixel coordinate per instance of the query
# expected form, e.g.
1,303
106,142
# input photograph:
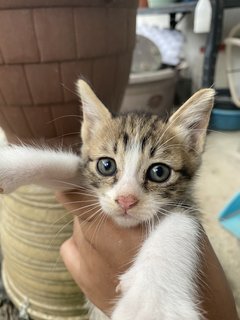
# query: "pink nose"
127,202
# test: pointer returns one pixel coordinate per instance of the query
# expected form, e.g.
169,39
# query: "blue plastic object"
225,119
230,216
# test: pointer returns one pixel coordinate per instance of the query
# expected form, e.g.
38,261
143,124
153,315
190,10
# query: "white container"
159,3
202,16
232,59
151,92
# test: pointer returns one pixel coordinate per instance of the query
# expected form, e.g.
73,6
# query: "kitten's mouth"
128,216
126,220
124,215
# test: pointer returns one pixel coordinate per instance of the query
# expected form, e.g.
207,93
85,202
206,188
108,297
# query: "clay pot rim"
29,4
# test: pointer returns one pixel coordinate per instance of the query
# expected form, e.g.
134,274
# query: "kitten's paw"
135,302
138,307
132,308
10,176
143,300
6,186
12,168
8,181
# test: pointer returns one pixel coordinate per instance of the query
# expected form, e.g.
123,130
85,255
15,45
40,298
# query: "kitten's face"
138,165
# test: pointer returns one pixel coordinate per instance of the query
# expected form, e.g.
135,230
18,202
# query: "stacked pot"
45,45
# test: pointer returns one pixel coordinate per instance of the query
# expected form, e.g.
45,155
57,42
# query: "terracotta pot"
45,45
143,3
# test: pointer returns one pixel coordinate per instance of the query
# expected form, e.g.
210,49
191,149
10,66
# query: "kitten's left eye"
158,172
106,166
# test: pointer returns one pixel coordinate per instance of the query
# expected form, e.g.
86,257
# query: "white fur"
160,284
129,184
20,165
131,161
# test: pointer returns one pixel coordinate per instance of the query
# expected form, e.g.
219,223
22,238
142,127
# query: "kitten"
142,171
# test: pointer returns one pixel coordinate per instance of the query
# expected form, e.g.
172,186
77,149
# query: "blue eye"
158,172
106,166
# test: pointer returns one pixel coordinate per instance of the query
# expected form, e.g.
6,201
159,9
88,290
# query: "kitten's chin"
126,221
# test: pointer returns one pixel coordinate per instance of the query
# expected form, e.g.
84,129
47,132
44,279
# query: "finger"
71,258
77,249
98,286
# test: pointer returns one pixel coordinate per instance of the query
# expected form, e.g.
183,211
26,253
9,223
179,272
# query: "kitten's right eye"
106,166
158,172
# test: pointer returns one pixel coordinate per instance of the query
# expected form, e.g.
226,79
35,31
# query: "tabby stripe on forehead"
152,151
125,140
143,143
145,139
151,127
115,147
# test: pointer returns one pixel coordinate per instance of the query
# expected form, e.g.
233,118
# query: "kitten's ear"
94,111
193,117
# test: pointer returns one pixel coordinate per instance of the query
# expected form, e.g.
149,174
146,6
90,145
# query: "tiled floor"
219,180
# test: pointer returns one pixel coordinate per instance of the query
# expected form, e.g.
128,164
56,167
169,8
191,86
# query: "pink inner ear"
197,132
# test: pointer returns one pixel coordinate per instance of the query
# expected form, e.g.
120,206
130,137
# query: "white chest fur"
161,283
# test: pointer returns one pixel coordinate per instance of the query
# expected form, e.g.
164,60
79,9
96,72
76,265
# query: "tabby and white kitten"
141,169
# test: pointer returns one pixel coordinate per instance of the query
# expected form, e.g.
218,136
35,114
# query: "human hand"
97,253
